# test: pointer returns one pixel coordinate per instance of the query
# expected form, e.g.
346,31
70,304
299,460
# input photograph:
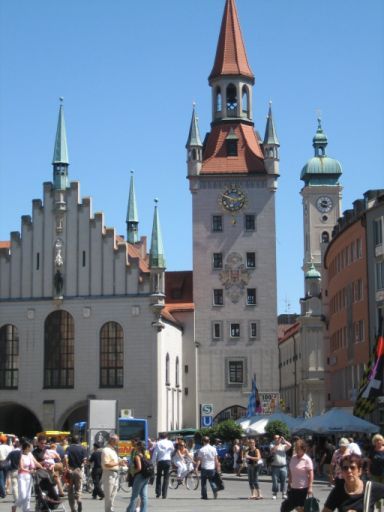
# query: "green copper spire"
270,136
156,254
132,216
194,134
60,160
320,140
321,169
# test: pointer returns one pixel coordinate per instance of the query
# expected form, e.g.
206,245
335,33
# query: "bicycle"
123,480
191,480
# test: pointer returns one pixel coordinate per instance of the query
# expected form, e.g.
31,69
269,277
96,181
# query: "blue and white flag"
254,405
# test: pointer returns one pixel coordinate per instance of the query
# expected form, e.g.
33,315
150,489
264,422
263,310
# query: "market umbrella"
336,420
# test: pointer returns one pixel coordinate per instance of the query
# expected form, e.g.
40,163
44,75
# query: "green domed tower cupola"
321,169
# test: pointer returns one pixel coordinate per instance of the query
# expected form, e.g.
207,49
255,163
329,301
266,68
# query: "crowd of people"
292,465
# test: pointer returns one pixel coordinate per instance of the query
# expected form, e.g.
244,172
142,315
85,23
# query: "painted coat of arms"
235,276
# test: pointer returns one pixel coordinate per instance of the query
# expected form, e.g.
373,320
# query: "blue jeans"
207,474
279,476
253,476
2,483
139,488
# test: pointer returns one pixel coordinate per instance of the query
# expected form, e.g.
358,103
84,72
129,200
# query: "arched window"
231,101
59,350
193,154
177,372
111,355
9,357
167,371
245,100
218,100
325,237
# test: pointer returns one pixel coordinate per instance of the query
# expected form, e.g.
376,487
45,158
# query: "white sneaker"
284,496
274,497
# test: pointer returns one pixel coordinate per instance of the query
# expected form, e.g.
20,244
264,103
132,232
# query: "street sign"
206,409
206,421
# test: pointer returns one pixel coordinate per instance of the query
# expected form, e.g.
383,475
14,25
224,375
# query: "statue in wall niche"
59,223
59,261
59,282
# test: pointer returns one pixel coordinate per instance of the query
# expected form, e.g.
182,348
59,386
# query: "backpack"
147,468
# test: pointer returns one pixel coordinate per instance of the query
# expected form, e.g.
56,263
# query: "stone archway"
234,412
77,413
17,419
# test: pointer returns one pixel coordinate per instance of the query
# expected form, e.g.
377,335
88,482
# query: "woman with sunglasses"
350,496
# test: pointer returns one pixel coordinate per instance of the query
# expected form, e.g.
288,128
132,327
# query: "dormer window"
231,142
231,101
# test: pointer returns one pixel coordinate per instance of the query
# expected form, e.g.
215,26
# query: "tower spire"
132,220
60,159
270,136
194,146
231,57
156,254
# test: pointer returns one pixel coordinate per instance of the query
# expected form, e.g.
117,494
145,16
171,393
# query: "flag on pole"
254,405
372,380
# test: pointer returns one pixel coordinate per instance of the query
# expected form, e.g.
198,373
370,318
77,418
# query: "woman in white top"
27,466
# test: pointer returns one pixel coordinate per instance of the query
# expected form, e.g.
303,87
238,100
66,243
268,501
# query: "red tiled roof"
178,287
250,158
5,245
134,252
167,312
231,58
293,329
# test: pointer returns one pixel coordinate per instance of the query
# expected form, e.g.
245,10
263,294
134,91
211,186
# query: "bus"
129,429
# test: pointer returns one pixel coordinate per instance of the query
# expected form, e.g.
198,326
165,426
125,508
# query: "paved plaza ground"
233,498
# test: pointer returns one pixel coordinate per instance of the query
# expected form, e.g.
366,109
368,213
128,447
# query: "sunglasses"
346,468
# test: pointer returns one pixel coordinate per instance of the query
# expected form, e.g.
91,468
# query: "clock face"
324,204
233,199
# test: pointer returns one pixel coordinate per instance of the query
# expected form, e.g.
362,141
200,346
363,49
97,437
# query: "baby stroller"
47,499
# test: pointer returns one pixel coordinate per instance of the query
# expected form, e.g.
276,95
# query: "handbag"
311,504
367,496
218,481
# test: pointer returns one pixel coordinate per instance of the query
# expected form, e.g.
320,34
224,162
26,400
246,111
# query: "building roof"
179,287
5,245
250,158
288,333
231,58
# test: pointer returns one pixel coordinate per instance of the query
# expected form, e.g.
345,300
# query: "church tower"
233,179
321,201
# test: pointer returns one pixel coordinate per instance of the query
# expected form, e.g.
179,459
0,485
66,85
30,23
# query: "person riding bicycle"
182,459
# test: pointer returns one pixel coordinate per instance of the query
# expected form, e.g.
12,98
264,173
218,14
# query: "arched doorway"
230,413
18,420
78,414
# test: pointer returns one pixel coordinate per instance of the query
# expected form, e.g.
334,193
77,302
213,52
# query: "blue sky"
129,72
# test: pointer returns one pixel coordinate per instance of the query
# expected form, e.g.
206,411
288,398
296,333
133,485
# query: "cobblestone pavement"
234,498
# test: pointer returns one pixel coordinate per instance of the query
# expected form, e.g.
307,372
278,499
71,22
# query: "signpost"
206,415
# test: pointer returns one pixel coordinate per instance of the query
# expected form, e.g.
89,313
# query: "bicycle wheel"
173,480
192,481
123,483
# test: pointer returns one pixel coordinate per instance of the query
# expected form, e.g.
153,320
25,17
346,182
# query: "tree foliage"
277,427
226,430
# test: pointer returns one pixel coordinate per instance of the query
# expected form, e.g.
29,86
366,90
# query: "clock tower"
321,201
233,179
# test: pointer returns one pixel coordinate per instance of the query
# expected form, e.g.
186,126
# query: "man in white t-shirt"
161,457
110,462
209,463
